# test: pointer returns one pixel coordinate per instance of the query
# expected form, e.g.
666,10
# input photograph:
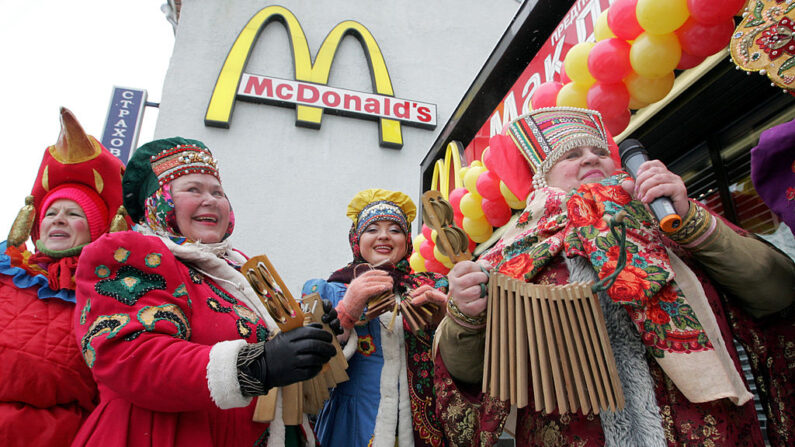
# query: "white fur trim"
386,420
222,375
405,430
350,346
276,430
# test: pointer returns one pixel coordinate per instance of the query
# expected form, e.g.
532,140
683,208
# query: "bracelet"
476,322
697,224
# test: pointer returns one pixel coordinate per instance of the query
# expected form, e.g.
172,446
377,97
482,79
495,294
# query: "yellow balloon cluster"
652,29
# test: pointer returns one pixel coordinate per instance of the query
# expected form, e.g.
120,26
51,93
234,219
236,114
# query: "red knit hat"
89,201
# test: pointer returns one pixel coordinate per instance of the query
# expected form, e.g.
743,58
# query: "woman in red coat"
178,342
46,390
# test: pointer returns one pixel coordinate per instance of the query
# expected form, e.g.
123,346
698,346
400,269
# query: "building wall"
289,186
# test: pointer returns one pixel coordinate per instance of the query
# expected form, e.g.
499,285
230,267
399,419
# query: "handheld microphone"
632,156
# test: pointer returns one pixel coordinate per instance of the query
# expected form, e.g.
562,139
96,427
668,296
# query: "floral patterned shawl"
670,312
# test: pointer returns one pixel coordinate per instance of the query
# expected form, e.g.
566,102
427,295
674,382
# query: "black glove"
287,358
330,317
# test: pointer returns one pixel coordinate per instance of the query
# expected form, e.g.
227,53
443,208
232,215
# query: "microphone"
632,156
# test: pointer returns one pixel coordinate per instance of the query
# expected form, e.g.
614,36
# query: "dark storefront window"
728,189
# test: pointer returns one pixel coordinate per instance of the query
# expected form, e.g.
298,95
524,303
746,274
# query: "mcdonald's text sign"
309,92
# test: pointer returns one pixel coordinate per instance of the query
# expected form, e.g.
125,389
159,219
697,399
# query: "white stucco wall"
289,185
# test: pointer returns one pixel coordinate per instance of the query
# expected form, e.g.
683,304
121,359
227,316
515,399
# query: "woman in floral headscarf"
668,325
389,398
46,390
177,340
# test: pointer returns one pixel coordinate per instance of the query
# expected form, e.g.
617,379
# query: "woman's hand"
359,291
427,294
654,180
330,317
292,356
465,281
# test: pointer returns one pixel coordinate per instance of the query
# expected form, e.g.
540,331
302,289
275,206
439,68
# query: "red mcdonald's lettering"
303,89
387,109
331,99
353,100
405,113
372,105
259,85
424,114
280,91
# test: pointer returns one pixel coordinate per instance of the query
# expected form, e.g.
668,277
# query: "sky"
70,53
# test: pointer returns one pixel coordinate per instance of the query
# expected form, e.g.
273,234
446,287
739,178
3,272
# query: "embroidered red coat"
156,335
46,389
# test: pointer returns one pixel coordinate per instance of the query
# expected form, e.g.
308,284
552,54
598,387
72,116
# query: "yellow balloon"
471,179
433,236
573,94
634,104
661,16
646,91
476,163
654,55
478,229
418,240
463,172
601,30
417,262
442,258
576,64
512,201
470,206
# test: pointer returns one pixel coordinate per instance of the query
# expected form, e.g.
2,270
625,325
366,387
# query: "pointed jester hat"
77,167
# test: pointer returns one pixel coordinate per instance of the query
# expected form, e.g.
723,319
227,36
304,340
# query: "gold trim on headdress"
368,196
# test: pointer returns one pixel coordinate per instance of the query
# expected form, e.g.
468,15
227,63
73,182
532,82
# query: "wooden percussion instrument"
301,397
551,338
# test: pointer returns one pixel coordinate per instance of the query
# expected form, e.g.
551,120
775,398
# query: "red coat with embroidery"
46,390
146,323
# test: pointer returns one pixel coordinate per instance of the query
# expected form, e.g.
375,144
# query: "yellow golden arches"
222,100
219,110
441,170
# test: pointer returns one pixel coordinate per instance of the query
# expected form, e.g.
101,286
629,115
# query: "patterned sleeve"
133,324
760,276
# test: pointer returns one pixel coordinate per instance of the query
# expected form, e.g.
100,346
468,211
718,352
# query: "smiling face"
383,241
579,166
64,226
201,207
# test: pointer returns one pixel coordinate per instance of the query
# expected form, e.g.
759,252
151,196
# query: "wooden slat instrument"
551,339
301,397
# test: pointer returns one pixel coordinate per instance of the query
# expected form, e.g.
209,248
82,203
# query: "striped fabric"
555,130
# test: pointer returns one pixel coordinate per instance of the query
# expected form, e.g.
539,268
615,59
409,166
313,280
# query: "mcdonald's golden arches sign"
309,92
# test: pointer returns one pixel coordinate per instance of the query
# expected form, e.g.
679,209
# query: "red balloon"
688,61
497,211
432,265
712,12
546,95
488,186
564,78
426,249
611,100
472,245
617,124
458,218
455,198
703,40
426,231
622,20
608,60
